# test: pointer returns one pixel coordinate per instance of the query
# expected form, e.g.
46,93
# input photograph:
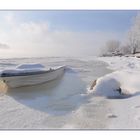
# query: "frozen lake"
60,104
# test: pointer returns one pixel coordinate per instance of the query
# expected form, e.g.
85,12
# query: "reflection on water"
56,97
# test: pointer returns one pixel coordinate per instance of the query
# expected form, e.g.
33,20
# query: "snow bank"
111,84
127,78
124,81
119,63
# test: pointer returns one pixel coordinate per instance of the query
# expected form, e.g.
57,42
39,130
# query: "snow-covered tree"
134,35
125,49
112,46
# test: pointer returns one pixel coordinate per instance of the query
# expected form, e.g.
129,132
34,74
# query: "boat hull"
20,81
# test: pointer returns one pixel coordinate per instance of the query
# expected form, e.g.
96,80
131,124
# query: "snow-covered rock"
127,81
106,86
124,81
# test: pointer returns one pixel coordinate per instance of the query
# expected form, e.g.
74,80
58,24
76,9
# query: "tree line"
131,46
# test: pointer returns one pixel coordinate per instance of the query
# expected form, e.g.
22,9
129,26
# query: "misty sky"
60,33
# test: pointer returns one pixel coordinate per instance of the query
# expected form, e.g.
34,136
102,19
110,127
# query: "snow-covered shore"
64,104
122,88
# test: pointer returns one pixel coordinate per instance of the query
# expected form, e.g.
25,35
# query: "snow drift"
118,83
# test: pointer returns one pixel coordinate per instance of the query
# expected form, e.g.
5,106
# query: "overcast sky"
60,33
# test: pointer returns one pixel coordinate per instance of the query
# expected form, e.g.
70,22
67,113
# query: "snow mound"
125,82
107,86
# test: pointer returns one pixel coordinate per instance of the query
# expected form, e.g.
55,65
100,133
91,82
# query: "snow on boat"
30,74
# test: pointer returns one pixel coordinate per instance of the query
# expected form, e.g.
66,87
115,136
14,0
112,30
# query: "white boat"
29,74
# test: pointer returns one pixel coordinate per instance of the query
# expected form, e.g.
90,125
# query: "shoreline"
62,104
126,110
